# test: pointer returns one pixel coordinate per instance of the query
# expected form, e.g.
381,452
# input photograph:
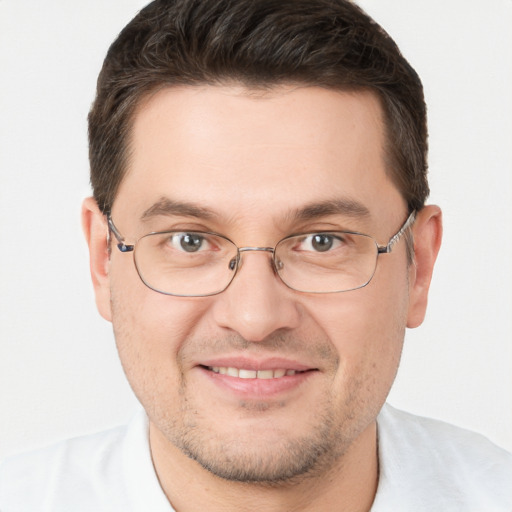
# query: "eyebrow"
166,206
344,206
315,210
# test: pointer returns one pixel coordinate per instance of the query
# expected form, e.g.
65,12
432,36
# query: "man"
259,240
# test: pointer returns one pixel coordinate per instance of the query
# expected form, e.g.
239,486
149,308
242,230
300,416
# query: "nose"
256,303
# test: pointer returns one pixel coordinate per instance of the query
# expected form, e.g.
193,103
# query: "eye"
188,242
319,242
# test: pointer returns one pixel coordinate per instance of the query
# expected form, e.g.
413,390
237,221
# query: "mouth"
257,381
243,373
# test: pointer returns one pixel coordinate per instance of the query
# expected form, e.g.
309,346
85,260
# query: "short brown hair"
257,43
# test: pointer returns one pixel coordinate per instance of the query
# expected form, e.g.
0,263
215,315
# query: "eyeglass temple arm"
384,249
120,245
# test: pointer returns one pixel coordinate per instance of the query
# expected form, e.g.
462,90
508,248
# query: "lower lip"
258,388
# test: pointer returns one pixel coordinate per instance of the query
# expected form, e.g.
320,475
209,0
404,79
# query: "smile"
242,373
256,380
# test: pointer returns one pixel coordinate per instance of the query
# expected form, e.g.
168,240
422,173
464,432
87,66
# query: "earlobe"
96,235
427,231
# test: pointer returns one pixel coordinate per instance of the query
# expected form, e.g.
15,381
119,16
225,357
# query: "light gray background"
59,374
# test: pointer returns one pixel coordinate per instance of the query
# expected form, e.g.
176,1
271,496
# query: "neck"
348,485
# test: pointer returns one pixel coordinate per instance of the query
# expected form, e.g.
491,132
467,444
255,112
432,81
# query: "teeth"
233,372
264,374
252,374
246,374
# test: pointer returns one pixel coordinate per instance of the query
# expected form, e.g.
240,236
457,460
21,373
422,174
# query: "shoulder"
439,441
75,474
442,466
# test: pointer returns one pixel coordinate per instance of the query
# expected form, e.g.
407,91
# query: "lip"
256,389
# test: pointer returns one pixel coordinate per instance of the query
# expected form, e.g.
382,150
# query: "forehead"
240,152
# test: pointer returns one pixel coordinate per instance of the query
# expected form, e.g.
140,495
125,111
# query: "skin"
253,160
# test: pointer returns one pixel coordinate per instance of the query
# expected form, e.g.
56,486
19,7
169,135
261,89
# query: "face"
248,165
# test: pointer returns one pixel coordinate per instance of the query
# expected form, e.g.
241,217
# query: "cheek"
367,328
145,316
150,329
363,321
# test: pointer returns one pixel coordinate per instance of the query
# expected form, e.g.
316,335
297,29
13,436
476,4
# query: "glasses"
199,264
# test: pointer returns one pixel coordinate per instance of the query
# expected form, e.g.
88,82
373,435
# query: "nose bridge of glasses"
247,249
241,250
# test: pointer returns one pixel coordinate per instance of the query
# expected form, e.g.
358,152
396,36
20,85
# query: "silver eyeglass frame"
236,263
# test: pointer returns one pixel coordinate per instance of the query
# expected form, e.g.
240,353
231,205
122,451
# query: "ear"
96,234
427,232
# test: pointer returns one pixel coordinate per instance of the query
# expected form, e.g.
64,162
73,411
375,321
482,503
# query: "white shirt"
425,466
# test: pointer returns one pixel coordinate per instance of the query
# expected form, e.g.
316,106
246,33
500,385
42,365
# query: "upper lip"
272,363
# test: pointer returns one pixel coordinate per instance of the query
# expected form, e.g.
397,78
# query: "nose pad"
233,263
